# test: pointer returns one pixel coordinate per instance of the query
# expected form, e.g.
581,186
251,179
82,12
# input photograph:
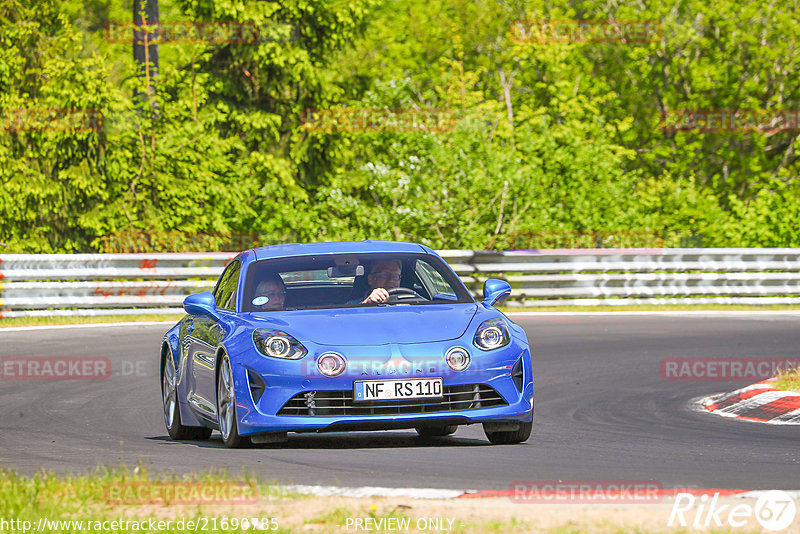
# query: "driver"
383,276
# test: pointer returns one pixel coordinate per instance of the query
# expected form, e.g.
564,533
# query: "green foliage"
211,150
547,138
49,169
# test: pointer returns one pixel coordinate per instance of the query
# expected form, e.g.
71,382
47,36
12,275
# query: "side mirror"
495,290
200,304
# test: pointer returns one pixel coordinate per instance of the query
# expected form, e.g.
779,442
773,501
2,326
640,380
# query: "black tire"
436,431
172,412
226,407
507,437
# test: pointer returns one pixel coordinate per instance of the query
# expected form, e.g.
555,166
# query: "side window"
433,280
225,293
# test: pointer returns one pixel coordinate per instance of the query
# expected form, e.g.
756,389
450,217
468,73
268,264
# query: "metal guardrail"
122,284
104,284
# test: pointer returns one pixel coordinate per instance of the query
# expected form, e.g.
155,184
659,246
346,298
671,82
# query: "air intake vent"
257,385
337,403
517,374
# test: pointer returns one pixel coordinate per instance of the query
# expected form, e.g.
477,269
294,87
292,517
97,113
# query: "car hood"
372,325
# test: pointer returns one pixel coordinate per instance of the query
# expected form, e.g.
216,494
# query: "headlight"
277,344
492,334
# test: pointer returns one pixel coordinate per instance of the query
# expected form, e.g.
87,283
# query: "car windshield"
341,281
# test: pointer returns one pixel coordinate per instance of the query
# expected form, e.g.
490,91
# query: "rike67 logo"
774,510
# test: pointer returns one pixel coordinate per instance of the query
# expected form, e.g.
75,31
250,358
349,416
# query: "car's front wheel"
506,437
226,407
172,412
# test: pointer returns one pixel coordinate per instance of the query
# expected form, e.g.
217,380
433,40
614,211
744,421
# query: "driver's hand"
378,295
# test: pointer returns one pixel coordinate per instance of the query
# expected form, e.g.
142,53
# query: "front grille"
336,403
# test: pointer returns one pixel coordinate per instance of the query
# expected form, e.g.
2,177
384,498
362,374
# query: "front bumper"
285,380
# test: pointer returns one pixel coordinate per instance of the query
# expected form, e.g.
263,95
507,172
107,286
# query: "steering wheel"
402,294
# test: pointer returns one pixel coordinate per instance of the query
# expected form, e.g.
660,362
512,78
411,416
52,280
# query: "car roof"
338,247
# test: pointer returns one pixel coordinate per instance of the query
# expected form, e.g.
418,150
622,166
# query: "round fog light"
331,364
457,359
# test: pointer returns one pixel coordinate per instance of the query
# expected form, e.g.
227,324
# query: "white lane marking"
795,494
791,417
432,493
754,421
374,491
722,397
700,404
753,402
676,313
88,325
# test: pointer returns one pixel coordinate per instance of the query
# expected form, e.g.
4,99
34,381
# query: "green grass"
88,498
46,321
788,380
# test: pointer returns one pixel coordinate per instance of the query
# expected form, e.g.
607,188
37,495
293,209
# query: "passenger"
270,294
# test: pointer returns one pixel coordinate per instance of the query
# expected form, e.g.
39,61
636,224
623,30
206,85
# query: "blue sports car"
331,337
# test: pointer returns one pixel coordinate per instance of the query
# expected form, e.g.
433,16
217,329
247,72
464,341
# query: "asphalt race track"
603,412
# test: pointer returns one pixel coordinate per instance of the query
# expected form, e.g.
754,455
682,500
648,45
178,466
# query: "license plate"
412,388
